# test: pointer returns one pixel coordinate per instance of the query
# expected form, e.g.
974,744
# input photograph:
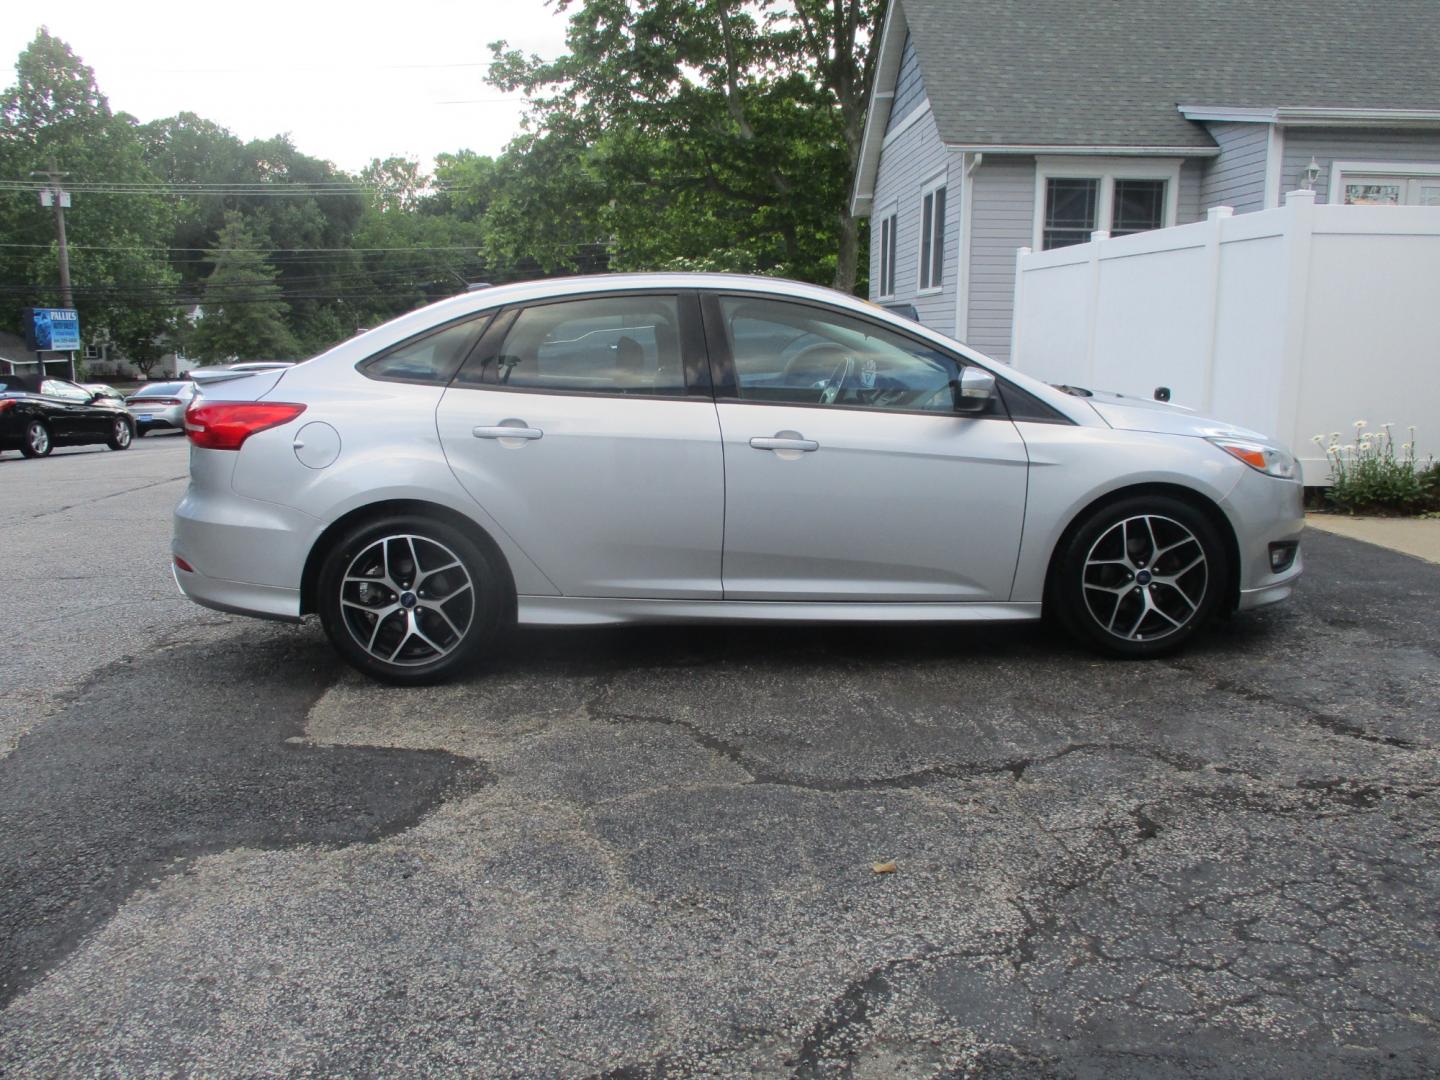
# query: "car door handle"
508,430
784,440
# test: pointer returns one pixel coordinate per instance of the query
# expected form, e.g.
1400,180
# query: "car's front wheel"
121,434
1139,577
410,599
37,439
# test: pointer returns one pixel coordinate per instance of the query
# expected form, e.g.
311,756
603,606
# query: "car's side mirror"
973,390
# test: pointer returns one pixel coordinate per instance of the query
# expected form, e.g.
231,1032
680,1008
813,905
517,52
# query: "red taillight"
183,565
225,425
6,404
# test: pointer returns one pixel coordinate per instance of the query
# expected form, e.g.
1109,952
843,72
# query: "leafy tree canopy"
244,315
55,113
725,131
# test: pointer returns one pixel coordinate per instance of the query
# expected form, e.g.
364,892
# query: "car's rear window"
160,389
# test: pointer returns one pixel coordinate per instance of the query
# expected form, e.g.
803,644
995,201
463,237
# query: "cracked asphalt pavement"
648,852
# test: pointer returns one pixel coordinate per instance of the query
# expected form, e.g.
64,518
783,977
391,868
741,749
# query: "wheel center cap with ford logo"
407,600
1143,577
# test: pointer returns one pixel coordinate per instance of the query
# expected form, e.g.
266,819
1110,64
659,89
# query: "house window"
1070,209
93,352
1078,196
1379,184
887,254
1139,206
932,237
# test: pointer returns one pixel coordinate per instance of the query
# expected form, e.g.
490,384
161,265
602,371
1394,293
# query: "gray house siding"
913,159
1189,205
1003,190
1328,145
909,87
1237,177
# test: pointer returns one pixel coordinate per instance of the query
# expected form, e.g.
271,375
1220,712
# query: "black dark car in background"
38,413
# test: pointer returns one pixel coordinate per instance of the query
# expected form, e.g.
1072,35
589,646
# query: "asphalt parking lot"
650,852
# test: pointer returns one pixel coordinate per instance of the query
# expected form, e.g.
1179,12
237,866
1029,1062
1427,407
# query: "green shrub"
1368,476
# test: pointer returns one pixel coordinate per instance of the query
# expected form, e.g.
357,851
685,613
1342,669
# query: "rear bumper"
246,556
239,597
172,416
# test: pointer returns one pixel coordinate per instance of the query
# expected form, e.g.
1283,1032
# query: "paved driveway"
649,852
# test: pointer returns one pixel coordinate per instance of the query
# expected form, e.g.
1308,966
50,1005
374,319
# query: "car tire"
121,434
411,600
1139,577
37,441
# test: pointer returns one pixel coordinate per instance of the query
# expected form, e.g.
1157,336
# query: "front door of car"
586,429
70,414
849,474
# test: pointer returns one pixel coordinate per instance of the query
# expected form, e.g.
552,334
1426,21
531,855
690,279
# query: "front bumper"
1264,510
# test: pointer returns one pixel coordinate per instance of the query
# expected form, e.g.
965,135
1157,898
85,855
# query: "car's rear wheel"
121,434
411,600
1141,576
37,439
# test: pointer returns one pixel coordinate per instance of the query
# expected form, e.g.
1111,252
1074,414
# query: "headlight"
1270,460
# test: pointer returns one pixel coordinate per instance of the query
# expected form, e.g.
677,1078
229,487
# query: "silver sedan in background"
674,448
160,406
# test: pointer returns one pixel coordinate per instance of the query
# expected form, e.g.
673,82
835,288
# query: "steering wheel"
830,361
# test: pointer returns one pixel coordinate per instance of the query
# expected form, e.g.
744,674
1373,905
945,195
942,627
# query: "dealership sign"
52,329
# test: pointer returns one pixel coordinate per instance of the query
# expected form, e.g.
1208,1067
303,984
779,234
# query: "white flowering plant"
1372,475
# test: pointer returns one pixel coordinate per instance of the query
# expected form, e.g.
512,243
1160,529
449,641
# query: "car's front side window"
65,391
803,355
603,345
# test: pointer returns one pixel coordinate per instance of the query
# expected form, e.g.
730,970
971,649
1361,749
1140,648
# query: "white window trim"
1338,170
935,183
891,210
1107,170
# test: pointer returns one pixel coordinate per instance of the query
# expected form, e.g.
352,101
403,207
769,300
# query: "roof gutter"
1315,116
1108,151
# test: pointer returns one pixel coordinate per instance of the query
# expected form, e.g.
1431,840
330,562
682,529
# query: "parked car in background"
680,448
104,390
38,413
160,406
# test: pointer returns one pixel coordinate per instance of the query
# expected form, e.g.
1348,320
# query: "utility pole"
54,195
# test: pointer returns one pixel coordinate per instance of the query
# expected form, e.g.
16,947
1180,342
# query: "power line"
277,250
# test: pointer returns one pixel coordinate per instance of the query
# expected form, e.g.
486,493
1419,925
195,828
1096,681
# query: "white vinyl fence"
1295,321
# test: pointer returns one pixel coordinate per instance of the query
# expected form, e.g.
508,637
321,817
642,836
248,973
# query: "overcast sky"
349,82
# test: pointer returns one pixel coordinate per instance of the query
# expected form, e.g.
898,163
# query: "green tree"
720,132
244,313
123,284
540,208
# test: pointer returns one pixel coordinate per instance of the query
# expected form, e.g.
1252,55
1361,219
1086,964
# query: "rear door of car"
849,475
585,426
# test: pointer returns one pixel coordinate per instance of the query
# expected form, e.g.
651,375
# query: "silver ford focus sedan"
682,447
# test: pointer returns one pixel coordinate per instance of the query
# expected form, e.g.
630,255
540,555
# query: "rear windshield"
160,389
